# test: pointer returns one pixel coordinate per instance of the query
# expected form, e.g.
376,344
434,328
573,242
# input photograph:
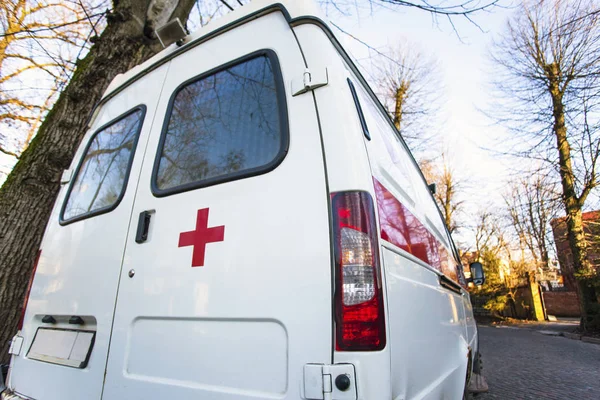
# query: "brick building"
591,227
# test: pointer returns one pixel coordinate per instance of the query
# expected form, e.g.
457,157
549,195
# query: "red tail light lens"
26,300
360,321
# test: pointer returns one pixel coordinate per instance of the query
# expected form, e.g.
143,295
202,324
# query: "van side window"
361,116
102,174
408,177
223,126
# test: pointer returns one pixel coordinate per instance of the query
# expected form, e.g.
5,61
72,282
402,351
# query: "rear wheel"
478,384
468,376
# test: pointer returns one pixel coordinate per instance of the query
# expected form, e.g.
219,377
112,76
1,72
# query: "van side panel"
427,320
347,169
429,353
472,334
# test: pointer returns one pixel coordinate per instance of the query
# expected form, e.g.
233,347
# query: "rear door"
70,309
227,293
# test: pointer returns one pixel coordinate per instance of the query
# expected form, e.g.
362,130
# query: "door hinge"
310,81
320,382
66,176
15,345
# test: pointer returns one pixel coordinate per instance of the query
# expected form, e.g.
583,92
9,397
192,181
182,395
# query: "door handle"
143,227
449,284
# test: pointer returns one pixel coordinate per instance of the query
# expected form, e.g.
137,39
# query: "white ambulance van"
243,221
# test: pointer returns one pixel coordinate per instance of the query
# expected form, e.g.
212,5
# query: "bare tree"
489,235
447,190
531,204
408,83
550,63
38,41
440,8
504,274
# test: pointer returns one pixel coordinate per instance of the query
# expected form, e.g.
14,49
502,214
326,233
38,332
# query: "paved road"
524,364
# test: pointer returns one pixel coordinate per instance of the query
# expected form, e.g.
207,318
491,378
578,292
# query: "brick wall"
591,228
562,304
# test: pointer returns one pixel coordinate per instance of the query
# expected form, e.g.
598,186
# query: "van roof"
292,9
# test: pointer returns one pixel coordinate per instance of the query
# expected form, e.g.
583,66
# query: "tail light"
359,314
26,300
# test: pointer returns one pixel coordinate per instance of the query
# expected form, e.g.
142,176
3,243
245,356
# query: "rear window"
227,124
102,174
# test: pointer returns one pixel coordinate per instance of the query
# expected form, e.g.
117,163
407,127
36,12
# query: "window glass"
398,154
222,126
408,176
102,174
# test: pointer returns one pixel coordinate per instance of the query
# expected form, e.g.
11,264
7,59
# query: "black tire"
468,376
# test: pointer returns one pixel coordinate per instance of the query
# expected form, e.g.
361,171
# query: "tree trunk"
448,200
399,98
27,197
588,301
590,315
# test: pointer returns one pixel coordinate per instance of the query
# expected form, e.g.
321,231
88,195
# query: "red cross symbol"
201,237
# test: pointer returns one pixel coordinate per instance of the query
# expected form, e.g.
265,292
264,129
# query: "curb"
573,336
590,340
568,335
576,336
